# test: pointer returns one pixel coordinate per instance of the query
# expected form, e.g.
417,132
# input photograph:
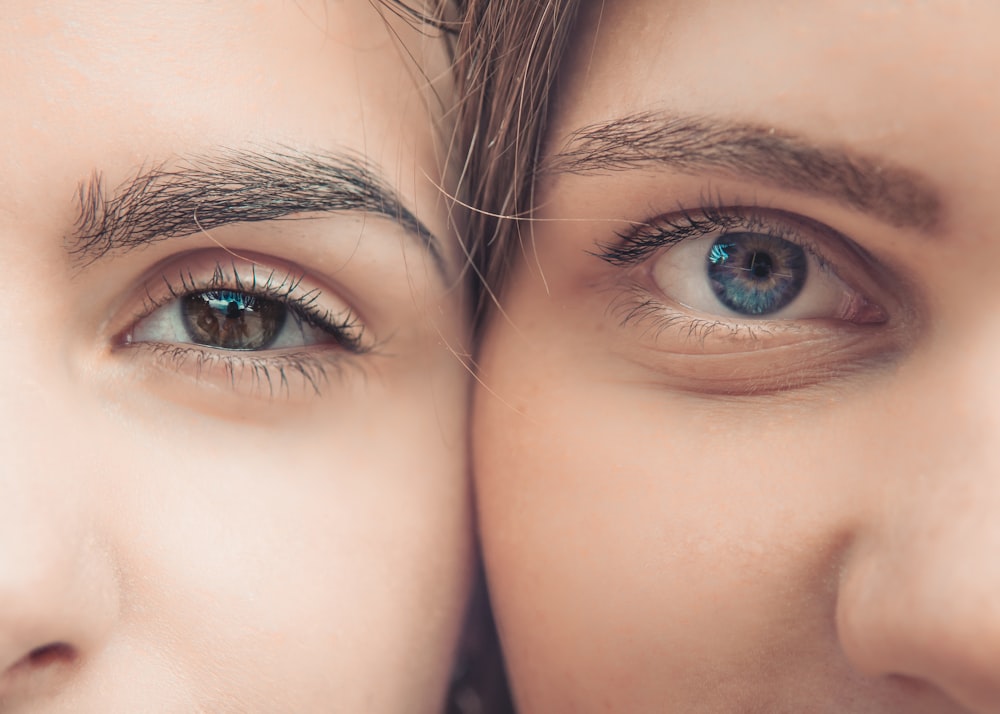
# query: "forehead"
870,74
937,44
113,85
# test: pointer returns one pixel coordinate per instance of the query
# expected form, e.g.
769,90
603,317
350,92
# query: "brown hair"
507,57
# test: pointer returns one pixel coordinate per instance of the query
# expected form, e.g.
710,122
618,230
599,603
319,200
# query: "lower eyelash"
636,307
271,376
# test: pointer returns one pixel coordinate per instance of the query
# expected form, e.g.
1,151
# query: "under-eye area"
744,300
256,324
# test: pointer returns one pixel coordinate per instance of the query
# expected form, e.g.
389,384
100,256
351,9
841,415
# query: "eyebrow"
209,191
695,144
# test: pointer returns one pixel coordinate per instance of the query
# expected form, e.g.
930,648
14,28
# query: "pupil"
756,273
760,265
233,310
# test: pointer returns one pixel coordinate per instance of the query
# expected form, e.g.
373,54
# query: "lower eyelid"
684,352
690,332
291,374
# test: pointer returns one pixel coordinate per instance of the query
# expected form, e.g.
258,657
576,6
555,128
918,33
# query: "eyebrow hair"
208,191
695,144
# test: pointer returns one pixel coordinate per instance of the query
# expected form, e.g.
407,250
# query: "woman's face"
737,445
233,465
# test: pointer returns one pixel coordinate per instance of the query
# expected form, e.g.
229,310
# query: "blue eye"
746,267
755,273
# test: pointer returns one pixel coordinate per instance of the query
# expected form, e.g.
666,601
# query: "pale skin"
688,508
271,526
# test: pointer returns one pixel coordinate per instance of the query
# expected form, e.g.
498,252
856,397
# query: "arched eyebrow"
213,190
697,145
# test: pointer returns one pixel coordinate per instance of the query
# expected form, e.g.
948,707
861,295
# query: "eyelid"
718,353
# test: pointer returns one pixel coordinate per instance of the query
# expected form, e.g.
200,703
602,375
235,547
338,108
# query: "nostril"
40,668
45,656
50,654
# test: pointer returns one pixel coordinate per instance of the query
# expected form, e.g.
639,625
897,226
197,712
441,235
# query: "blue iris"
756,273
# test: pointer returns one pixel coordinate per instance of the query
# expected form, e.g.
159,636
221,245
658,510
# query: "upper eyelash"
346,329
636,245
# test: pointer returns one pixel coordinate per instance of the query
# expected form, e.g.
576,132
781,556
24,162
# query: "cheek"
336,550
618,513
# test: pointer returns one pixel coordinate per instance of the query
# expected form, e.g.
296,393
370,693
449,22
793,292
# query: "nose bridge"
56,589
57,583
33,409
920,591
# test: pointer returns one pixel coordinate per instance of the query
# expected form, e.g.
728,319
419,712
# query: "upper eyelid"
188,283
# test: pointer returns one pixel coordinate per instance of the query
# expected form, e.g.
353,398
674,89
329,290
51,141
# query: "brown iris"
232,320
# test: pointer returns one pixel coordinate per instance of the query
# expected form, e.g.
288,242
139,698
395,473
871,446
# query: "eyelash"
635,246
274,373
268,371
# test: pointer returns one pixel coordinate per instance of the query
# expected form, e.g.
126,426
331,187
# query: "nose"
58,597
919,593
56,602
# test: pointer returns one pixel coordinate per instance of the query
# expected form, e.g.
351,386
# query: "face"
232,422
735,450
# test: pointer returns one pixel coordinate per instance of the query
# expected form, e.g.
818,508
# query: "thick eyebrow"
694,144
208,191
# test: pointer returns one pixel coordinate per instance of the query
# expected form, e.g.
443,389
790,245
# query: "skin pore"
735,451
232,421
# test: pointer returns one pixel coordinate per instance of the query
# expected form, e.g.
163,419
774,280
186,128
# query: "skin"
785,513
175,535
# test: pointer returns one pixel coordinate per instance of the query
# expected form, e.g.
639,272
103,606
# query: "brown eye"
236,308
231,320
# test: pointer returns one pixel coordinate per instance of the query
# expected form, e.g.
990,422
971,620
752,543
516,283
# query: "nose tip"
927,611
57,603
